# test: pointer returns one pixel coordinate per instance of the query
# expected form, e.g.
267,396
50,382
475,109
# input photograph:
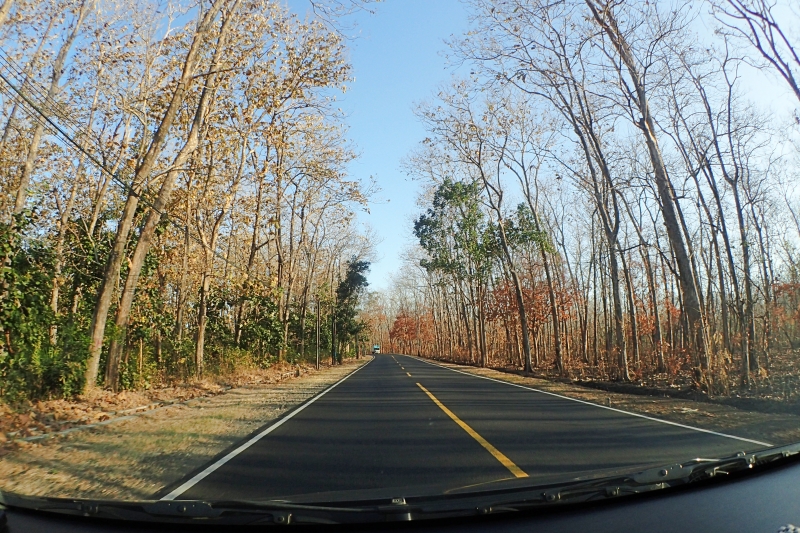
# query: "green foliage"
263,332
455,234
348,295
307,329
30,366
523,230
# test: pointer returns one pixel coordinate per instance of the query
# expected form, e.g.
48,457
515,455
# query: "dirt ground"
773,428
134,454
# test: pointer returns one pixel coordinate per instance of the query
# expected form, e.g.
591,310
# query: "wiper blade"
663,477
217,512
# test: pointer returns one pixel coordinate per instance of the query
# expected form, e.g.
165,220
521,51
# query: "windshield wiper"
674,475
220,512
182,511
518,498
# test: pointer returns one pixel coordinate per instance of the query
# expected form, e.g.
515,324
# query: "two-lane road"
400,424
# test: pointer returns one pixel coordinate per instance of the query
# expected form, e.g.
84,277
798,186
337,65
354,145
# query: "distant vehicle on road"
376,349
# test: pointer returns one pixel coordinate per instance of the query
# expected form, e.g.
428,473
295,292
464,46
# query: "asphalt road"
401,425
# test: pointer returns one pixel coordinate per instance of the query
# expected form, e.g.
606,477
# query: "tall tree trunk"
5,9
607,330
62,226
594,302
202,320
620,346
154,213
767,280
658,342
255,246
554,313
669,206
182,288
651,285
749,359
631,310
58,259
107,287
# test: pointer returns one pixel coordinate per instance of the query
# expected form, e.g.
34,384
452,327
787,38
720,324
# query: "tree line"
603,198
175,201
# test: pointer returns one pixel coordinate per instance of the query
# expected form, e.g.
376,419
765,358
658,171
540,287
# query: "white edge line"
601,406
211,468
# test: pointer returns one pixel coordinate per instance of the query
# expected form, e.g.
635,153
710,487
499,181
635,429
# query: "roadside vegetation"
606,199
173,197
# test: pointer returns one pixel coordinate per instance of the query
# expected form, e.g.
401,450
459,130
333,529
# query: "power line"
37,113
45,101
41,117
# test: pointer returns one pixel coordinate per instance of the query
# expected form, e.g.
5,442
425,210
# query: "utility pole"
333,337
317,331
333,318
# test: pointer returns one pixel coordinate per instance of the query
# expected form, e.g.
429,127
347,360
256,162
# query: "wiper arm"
648,480
218,512
183,511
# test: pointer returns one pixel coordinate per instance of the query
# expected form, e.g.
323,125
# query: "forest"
174,201
610,192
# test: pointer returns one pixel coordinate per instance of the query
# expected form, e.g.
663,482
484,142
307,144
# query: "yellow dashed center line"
514,469
409,375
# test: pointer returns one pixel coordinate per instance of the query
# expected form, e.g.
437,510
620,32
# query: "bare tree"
757,22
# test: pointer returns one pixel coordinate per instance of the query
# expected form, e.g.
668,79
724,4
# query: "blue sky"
398,59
